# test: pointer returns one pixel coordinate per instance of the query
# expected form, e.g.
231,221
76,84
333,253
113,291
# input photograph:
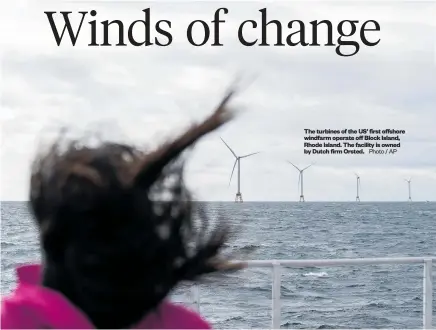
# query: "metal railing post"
427,300
195,293
276,288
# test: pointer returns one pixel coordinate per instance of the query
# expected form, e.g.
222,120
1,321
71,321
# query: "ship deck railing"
277,267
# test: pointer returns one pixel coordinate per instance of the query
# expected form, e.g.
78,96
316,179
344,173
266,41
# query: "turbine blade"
306,167
234,165
254,153
229,147
293,165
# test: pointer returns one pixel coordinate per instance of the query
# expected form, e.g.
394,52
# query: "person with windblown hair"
112,247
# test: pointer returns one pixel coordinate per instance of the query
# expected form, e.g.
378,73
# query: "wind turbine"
238,197
410,191
358,186
300,179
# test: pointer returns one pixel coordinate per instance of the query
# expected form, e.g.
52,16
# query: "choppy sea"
379,296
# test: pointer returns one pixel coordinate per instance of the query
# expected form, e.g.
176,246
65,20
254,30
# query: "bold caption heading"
270,32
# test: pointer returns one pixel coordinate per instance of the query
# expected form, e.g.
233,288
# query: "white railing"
277,265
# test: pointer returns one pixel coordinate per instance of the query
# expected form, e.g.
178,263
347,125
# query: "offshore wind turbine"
238,197
358,186
410,191
300,180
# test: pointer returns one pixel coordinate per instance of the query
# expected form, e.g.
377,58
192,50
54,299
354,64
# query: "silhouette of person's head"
117,225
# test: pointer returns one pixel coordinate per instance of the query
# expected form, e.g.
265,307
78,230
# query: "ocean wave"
234,318
5,245
377,305
313,274
328,326
355,285
291,324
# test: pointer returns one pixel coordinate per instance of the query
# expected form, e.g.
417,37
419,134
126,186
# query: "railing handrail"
278,264
334,262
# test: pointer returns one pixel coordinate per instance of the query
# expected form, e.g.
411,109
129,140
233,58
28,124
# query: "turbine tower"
358,186
410,191
238,197
300,180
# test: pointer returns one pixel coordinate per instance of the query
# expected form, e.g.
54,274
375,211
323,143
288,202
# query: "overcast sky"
149,93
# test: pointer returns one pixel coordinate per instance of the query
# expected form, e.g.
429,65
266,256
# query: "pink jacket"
32,306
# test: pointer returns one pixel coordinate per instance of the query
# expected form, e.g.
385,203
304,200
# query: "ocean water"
379,296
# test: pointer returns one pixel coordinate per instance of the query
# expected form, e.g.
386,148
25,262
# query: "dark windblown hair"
117,225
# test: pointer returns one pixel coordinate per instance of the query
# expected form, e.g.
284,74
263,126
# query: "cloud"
147,94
